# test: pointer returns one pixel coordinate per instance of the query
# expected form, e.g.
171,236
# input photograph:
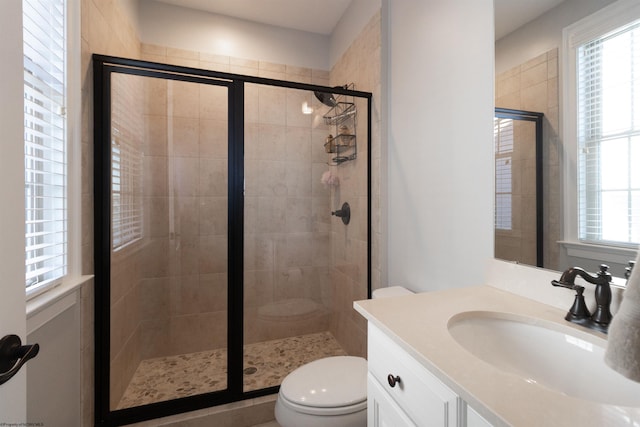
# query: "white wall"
183,28
543,33
439,84
53,377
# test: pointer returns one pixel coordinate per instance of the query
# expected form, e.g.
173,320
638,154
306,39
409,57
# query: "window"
45,137
127,161
604,59
503,139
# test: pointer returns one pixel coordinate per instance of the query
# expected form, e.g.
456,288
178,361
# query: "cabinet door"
475,420
424,398
382,411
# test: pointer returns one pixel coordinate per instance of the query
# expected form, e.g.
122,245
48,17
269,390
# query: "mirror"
518,186
527,78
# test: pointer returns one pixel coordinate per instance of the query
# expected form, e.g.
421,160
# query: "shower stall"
219,265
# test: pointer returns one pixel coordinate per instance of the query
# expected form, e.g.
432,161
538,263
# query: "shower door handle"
13,355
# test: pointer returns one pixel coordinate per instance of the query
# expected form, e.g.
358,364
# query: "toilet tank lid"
328,382
391,291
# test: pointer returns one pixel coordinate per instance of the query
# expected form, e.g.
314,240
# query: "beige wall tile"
201,293
156,175
295,100
243,62
153,49
213,102
213,139
212,214
213,58
184,98
298,179
212,177
185,136
155,97
272,213
271,143
155,135
186,176
259,253
155,303
272,105
212,254
182,53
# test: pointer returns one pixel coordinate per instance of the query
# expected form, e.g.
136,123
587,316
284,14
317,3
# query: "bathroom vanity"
482,356
402,392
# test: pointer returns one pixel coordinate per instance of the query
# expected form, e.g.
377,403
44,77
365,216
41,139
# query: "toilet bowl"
328,392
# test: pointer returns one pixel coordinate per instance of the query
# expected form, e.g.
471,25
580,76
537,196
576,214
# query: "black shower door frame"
103,68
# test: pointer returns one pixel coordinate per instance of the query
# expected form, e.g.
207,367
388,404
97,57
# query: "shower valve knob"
393,380
344,213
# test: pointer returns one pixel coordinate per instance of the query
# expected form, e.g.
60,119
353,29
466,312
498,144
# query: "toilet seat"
330,386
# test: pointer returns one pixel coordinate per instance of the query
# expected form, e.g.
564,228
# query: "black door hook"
13,355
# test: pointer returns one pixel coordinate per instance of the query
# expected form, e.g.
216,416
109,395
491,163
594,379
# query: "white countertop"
418,323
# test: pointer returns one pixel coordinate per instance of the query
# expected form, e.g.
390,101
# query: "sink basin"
551,355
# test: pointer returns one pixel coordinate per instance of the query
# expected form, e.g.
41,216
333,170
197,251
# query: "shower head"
326,98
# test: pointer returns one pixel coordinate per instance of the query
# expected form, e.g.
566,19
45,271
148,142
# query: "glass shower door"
219,268
287,236
169,185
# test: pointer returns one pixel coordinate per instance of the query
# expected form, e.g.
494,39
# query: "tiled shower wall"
286,215
185,189
533,86
105,29
360,65
286,210
170,290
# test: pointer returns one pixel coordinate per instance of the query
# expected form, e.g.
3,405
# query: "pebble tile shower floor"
265,365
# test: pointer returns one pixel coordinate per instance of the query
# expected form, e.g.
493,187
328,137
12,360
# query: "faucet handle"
604,273
629,269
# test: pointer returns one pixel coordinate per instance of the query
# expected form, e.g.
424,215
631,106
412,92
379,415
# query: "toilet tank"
391,291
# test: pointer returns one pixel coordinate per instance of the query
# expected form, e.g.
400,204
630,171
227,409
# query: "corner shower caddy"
342,116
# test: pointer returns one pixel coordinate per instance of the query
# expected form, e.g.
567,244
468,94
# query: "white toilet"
328,392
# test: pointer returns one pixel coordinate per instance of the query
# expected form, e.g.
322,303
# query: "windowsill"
49,304
600,253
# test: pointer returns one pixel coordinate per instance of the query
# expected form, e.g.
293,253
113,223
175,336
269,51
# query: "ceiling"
512,14
321,16
315,16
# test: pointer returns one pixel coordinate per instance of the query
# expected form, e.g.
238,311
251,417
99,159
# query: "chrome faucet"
579,313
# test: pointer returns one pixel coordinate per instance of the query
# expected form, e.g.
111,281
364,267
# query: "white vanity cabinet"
402,392
382,411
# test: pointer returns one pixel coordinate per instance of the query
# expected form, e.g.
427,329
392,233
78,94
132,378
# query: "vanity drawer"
425,399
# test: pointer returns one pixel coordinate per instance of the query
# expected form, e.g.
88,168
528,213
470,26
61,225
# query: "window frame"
73,140
604,21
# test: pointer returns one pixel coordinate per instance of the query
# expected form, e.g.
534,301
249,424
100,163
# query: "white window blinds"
608,101
503,139
127,137
45,142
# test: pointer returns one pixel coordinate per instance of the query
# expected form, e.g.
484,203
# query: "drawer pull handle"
393,380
